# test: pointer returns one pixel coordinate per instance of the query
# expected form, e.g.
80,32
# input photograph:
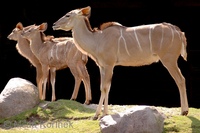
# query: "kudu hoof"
184,113
95,118
87,102
73,99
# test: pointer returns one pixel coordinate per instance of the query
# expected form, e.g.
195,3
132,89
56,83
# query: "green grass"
66,116
183,124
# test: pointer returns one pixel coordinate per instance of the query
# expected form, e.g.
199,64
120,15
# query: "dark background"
149,85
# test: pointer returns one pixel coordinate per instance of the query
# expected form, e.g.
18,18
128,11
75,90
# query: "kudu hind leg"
53,77
175,72
86,80
76,88
77,83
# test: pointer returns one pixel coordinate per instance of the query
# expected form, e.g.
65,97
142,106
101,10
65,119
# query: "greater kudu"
23,47
115,44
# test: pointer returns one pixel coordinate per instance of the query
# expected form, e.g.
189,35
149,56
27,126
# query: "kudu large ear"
19,26
86,11
43,27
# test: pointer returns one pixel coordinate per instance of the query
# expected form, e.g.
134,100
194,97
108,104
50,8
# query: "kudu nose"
54,26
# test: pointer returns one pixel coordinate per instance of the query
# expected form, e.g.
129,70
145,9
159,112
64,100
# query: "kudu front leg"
106,77
39,80
53,77
45,71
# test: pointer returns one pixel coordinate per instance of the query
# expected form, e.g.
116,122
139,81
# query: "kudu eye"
67,15
29,30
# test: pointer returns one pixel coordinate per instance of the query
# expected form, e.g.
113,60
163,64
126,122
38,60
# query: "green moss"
66,116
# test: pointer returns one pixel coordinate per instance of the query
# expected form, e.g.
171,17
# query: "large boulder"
18,95
139,119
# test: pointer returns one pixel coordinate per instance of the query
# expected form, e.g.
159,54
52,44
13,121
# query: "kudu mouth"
8,37
55,27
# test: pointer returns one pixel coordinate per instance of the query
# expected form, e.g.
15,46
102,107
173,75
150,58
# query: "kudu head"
16,32
67,21
30,31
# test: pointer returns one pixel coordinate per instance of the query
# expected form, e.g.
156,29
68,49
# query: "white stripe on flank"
151,27
177,33
65,50
75,54
172,35
121,37
51,55
118,46
161,42
56,52
137,40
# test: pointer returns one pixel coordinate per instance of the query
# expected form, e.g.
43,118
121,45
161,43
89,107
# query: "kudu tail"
184,47
184,41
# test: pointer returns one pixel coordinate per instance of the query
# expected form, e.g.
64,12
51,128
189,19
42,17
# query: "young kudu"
23,47
114,44
55,54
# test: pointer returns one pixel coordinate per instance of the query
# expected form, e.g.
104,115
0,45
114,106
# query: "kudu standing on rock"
114,44
55,54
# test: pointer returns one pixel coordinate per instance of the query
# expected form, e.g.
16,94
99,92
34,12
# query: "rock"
18,96
139,119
